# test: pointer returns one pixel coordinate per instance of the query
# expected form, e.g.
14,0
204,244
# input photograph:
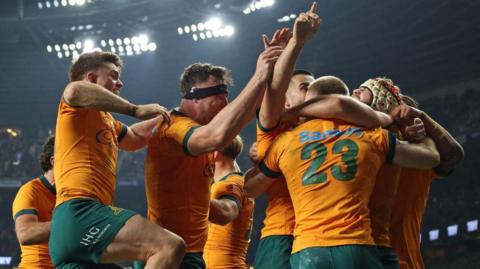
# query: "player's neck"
49,176
189,110
223,168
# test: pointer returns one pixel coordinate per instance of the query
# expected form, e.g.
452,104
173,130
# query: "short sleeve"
270,165
180,131
25,202
120,130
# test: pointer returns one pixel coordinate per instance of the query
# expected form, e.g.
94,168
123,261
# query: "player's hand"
280,38
306,25
415,132
266,61
253,153
405,114
145,112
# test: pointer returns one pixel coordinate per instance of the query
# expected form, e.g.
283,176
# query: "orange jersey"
35,197
412,196
381,203
227,245
178,184
279,215
86,151
330,169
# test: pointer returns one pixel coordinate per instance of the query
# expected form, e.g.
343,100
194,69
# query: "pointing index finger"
313,8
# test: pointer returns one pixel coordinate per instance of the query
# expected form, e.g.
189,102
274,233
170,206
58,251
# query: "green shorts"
274,252
193,261
388,257
81,229
75,265
339,257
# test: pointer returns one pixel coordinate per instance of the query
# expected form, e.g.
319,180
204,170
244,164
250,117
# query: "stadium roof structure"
421,44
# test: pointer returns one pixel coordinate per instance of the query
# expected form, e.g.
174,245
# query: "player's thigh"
137,240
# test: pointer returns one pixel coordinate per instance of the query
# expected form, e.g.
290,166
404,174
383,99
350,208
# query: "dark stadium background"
429,47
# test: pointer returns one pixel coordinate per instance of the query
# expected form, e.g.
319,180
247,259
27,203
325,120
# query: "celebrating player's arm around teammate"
329,167
32,211
179,165
86,229
231,213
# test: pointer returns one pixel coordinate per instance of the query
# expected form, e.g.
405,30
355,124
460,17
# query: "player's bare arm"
422,155
223,211
256,183
139,134
230,120
90,95
304,29
30,231
451,152
334,106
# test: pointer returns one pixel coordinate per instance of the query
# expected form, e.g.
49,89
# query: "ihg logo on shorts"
93,235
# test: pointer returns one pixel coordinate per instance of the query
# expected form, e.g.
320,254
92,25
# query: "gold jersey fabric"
178,184
330,168
279,215
410,204
35,197
226,247
86,148
381,203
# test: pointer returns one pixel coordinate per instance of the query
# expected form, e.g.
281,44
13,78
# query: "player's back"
330,168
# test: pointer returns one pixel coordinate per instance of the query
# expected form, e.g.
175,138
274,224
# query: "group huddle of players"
347,177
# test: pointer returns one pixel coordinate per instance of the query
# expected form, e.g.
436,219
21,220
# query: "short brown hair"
234,148
47,153
91,61
199,72
327,85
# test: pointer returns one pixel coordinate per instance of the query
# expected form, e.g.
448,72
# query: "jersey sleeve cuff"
122,134
30,211
261,127
185,141
392,143
267,171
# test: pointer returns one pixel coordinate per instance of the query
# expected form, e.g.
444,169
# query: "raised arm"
223,211
273,102
93,96
231,119
30,231
451,152
334,106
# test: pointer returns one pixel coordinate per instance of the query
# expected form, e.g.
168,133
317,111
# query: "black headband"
200,93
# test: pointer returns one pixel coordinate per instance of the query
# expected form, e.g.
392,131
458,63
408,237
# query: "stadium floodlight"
152,46
40,5
193,28
472,225
112,49
49,48
72,2
126,41
452,230
202,35
110,42
433,234
88,45
180,30
143,39
258,5
186,29
47,4
71,46
213,24
57,47
103,43
229,30
64,3
118,41
88,27
287,18
208,34
195,37
80,2
78,45
59,55
136,48
55,3
65,47
201,26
